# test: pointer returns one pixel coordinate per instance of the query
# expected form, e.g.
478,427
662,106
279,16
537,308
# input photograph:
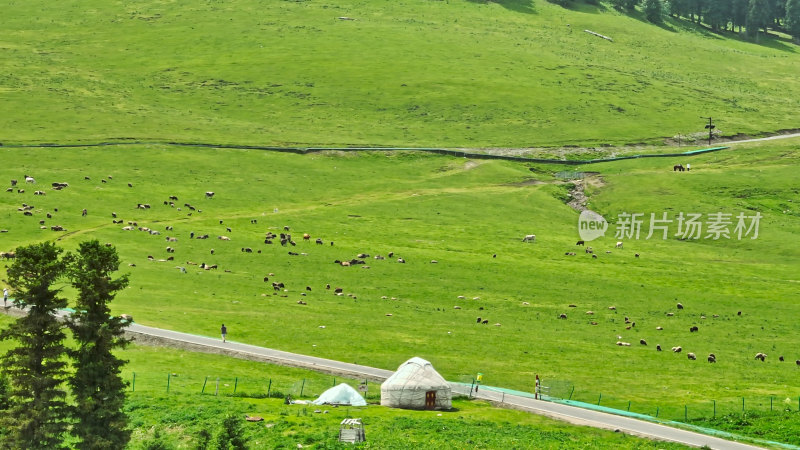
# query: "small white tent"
416,385
341,394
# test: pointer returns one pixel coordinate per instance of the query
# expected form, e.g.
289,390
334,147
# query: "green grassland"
175,419
460,213
461,73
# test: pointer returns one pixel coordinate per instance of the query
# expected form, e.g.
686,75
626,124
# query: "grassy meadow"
507,74
469,216
462,73
179,418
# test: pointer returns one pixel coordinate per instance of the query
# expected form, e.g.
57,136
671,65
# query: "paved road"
572,414
575,415
770,138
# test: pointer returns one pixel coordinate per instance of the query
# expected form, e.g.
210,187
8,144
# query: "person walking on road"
5,297
224,332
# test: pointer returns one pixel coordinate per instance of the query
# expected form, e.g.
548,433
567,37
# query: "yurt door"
430,400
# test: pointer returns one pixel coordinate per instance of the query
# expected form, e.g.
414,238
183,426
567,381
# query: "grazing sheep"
13,182
338,290
680,306
642,341
658,348
677,349
619,245
797,362
636,255
589,250
580,243
319,241
613,308
594,256
712,358
485,322
306,236
401,260
780,358
693,329
223,238
529,238
691,356
30,180
761,356
209,194
562,316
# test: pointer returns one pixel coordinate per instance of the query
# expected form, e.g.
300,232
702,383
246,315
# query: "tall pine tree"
37,416
653,10
97,386
758,16
793,19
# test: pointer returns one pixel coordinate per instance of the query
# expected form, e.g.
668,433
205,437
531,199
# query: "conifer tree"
653,10
793,19
37,416
98,389
757,17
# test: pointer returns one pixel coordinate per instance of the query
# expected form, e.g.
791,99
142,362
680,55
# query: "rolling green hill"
461,73
470,217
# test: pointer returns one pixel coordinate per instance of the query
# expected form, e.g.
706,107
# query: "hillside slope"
510,73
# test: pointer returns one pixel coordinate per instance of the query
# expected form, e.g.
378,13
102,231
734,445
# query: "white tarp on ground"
342,394
416,385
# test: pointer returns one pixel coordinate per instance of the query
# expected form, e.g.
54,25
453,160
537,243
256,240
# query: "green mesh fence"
675,416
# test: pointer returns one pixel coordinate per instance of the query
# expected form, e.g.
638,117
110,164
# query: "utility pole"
710,127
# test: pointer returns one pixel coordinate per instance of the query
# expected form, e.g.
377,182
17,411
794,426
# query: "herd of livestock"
284,238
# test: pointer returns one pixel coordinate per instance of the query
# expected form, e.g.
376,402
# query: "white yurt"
341,394
416,385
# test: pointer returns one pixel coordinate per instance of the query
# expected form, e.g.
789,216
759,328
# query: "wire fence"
565,391
172,383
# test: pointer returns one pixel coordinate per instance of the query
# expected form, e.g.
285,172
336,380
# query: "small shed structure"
351,430
416,385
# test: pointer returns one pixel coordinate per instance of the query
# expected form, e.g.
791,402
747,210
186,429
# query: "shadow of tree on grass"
520,6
